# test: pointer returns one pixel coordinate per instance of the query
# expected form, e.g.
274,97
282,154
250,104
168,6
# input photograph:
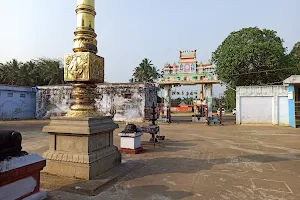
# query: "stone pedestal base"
130,140
81,147
20,177
131,151
131,143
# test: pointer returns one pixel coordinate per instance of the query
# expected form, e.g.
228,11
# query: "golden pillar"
81,143
84,68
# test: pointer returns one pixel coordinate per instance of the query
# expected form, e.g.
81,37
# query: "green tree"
295,53
10,72
145,72
51,71
294,57
43,71
248,51
26,74
177,100
230,99
188,100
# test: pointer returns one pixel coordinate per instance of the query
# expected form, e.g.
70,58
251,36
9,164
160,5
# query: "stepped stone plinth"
81,147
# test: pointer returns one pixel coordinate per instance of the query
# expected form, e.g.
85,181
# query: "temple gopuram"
189,72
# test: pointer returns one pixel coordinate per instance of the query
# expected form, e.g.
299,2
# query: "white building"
262,105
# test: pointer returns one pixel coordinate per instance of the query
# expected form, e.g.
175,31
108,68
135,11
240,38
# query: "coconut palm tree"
51,71
24,74
43,71
10,71
2,75
145,72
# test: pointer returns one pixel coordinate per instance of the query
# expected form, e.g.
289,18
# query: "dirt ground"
198,162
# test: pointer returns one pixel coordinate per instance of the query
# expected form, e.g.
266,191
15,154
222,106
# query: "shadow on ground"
146,192
132,193
167,146
166,165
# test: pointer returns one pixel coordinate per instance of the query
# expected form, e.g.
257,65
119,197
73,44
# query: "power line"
274,83
227,85
270,70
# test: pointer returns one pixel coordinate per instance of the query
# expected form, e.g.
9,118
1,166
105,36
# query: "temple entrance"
189,72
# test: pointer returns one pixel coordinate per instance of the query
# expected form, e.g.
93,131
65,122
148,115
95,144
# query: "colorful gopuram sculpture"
188,70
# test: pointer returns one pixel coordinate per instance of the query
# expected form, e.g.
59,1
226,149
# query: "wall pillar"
208,93
275,110
238,107
291,103
167,101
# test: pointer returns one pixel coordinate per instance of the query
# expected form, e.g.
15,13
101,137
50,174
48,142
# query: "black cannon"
10,144
131,128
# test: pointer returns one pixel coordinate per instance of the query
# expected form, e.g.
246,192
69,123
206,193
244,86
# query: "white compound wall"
262,105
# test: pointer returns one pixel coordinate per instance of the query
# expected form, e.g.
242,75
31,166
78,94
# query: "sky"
130,30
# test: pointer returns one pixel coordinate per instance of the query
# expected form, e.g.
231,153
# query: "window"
10,94
22,95
297,93
127,96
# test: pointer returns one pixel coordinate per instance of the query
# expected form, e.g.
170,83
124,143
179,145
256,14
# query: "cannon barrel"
130,128
10,143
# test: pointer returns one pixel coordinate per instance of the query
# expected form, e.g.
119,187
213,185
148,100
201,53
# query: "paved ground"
201,162
177,118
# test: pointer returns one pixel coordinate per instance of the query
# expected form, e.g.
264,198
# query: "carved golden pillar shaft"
84,68
85,36
84,100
